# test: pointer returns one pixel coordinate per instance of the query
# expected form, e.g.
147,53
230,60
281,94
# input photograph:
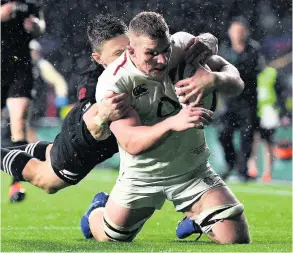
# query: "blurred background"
269,22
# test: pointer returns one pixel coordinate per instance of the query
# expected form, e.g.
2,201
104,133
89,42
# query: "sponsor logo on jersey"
69,175
140,90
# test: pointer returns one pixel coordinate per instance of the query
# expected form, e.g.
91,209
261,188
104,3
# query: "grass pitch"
51,222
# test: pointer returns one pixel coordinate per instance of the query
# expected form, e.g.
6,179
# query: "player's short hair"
103,28
151,24
241,20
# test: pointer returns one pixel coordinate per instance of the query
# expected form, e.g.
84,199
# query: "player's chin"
158,72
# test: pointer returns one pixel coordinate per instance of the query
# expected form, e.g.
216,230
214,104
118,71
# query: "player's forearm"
140,138
228,81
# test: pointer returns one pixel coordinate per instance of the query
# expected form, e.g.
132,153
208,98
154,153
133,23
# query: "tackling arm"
227,77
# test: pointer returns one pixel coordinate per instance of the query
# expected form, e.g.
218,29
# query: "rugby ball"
187,70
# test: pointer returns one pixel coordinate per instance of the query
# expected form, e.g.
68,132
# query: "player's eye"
118,53
153,54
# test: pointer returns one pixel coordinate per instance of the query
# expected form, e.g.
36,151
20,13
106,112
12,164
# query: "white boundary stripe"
257,191
41,228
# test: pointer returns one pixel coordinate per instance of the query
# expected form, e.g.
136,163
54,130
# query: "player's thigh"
212,197
190,187
130,205
17,107
126,217
41,174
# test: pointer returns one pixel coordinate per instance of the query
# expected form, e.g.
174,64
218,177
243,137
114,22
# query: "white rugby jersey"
153,100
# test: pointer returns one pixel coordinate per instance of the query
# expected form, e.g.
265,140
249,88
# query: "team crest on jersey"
140,90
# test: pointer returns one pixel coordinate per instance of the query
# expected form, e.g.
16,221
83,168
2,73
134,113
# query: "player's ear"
97,57
130,49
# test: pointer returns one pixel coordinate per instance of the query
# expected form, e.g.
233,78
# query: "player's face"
112,49
152,56
237,32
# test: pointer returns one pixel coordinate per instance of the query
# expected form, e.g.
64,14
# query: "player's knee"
232,231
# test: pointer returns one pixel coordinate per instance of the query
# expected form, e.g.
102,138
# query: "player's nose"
162,59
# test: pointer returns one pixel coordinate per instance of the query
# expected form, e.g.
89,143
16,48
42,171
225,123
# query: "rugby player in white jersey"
174,168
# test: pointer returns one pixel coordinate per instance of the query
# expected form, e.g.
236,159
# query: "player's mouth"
159,69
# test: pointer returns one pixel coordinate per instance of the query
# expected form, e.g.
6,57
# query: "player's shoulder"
116,69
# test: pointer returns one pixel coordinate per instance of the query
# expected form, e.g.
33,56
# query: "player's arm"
227,77
97,118
35,24
222,77
6,11
135,138
53,77
192,49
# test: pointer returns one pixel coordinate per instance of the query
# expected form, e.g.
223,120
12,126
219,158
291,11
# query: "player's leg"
36,150
20,81
247,128
117,223
17,107
211,208
253,160
267,136
225,136
128,208
24,167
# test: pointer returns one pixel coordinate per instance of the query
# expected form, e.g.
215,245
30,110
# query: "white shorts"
182,191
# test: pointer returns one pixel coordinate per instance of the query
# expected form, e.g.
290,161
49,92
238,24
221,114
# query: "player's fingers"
119,97
194,52
199,119
198,98
189,44
200,109
183,83
118,105
191,93
195,125
182,90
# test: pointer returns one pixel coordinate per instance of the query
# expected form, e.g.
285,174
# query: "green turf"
51,222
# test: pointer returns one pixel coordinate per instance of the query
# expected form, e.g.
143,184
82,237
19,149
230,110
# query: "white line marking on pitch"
256,191
41,228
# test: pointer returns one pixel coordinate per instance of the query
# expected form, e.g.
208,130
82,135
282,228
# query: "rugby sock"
17,144
37,149
13,162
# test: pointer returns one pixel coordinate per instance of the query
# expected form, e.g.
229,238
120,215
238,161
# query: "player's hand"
201,84
201,48
114,106
29,23
61,101
191,117
6,11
